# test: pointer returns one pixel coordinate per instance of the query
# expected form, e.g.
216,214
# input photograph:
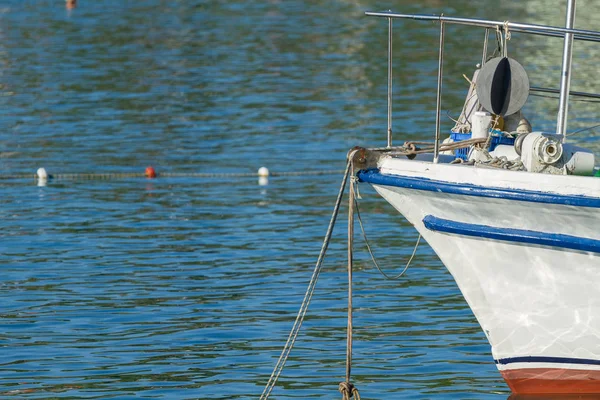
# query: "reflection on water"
187,287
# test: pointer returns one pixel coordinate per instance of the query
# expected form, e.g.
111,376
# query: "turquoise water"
187,287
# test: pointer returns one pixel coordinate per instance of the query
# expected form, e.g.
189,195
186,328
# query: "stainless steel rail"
436,150
389,127
568,33
565,76
581,38
579,34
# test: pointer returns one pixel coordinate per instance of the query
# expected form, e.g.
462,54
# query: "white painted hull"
538,304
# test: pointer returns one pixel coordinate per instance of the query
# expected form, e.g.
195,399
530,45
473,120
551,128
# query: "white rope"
503,162
464,127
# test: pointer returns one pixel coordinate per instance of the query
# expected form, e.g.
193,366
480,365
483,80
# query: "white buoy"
42,177
263,171
263,176
42,174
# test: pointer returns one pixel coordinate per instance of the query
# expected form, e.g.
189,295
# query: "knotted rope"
348,391
346,388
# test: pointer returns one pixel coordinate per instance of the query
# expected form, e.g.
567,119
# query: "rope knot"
507,34
348,391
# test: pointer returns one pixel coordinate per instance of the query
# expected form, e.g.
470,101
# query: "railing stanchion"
389,116
565,76
436,150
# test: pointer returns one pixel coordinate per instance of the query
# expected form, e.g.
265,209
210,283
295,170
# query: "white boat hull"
524,250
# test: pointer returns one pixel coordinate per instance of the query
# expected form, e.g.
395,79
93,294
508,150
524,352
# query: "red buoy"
150,172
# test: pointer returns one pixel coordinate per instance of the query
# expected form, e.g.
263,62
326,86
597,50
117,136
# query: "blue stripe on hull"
540,359
512,235
375,177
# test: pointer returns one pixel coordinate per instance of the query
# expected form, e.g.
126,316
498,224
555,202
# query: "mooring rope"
309,291
346,388
348,391
351,204
411,148
364,234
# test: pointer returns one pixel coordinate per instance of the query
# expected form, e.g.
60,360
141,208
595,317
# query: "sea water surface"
186,287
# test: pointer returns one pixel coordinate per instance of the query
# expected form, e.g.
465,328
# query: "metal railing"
544,30
568,33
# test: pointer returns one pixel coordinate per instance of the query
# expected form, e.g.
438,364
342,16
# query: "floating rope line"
126,175
309,291
408,149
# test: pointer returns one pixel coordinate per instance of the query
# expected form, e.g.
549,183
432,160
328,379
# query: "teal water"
186,288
